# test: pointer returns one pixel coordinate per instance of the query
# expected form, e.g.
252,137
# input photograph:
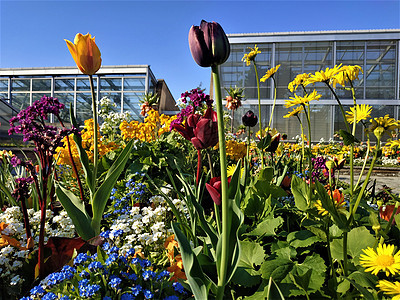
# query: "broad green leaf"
300,191
266,174
252,255
303,238
359,238
367,295
102,194
84,159
301,281
318,267
194,273
364,279
267,227
76,211
277,268
348,138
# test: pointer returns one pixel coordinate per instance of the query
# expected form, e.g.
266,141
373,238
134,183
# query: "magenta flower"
208,44
205,130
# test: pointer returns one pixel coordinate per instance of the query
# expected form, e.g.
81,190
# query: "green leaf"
364,279
267,227
264,142
76,211
359,238
367,295
194,273
303,238
266,174
277,268
300,190
102,194
318,267
84,159
348,138
252,255
302,281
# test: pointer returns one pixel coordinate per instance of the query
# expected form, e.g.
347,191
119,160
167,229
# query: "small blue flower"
65,298
49,296
68,269
144,263
148,294
136,289
148,275
117,232
127,296
178,287
130,276
105,234
111,258
163,274
115,282
95,265
84,274
80,259
106,246
130,252
113,249
107,298
37,291
173,297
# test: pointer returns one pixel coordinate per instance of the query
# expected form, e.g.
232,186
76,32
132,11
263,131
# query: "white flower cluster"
111,119
11,257
389,161
144,228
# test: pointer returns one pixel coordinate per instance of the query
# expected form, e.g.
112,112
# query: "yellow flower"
251,56
235,150
390,288
338,199
302,100
295,112
324,76
382,124
345,74
85,53
270,73
381,260
362,111
393,144
300,79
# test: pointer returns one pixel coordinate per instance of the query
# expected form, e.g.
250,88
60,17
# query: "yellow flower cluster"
235,150
251,56
87,144
153,126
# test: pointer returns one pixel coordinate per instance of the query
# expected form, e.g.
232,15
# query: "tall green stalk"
259,112
273,105
222,276
302,144
95,133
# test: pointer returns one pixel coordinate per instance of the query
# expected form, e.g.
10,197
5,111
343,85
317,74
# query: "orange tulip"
86,54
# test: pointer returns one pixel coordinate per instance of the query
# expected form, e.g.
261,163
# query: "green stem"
216,208
302,144
345,239
364,186
95,134
365,161
248,144
340,106
353,93
330,255
273,105
222,276
259,112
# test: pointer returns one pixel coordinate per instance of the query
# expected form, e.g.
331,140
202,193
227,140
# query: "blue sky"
155,32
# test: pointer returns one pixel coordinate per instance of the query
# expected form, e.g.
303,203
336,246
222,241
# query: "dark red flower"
214,188
385,212
208,44
249,119
274,143
205,130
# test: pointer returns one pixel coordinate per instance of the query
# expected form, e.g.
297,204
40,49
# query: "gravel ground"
391,181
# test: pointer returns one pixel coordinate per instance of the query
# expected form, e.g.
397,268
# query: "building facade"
375,51
124,85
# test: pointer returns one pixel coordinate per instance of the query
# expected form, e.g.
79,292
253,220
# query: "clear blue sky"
155,32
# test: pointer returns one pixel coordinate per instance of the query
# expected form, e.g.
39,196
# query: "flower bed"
178,208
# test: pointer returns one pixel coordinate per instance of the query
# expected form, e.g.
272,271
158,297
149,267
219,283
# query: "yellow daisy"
270,73
251,56
381,260
362,111
231,169
324,76
300,79
382,124
295,112
302,100
390,288
345,74
393,144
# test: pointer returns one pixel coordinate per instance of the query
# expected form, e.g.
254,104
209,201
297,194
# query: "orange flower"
85,53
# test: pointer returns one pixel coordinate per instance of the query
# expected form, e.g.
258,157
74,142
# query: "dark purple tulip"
214,188
274,143
208,44
249,119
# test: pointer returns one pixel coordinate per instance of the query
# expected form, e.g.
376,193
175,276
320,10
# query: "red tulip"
205,130
214,188
385,212
208,44
274,143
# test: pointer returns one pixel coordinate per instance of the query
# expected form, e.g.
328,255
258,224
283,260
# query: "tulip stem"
223,263
216,207
95,135
198,166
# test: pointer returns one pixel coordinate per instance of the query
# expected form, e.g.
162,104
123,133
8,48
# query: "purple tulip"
249,119
208,44
214,188
205,130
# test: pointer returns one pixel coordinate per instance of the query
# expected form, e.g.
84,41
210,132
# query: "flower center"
385,260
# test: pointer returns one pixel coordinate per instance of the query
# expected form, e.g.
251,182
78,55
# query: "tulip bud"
208,44
249,119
